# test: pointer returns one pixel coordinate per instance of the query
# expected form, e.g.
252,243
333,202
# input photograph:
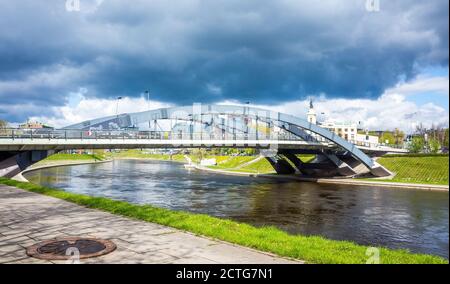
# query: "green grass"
138,154
233,161
262,166
431,169
73,157
306,158
234,164
312,249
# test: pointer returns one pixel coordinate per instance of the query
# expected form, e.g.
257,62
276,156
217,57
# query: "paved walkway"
27,218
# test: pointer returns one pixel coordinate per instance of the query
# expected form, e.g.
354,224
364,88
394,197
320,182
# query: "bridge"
279,136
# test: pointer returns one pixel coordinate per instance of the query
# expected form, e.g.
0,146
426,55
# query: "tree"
399,136
388,138
3,124
416,145
445,138
420,129
434,145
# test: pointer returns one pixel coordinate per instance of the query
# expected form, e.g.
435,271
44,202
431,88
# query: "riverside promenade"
28,218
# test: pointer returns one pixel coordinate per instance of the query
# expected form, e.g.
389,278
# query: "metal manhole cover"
62,248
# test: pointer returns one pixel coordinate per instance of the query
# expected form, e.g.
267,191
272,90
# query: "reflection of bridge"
282,135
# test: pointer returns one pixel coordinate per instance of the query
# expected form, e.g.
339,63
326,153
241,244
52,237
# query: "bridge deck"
62,144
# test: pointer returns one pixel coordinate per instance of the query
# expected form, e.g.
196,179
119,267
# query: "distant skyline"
387,68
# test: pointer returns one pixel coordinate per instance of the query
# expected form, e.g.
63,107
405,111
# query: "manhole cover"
64,248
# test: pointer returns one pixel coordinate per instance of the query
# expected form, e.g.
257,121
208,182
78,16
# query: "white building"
367,140
346,130
311,115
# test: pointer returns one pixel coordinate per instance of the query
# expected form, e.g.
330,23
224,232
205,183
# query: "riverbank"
25,220
412,172
137,154
424,172
341,181
417,169
56,163
267,239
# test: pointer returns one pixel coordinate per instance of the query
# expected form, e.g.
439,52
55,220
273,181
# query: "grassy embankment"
418,169
70,159
423,169
228,163
137,154
312,249
243,164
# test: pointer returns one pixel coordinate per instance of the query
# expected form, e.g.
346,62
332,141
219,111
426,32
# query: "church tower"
312,116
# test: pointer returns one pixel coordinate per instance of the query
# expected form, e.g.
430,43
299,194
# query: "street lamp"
147,92
148,99
117,106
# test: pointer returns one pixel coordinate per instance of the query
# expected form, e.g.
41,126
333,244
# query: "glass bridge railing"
66,134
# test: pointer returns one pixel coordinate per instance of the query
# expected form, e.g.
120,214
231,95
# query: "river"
395,218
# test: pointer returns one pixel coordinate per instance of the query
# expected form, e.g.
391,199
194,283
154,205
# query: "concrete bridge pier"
12,163
321,166
342,167
280,165
325,164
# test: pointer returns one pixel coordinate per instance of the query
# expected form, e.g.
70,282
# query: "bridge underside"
14,162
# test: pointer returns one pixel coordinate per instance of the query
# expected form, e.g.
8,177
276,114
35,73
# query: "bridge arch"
207,115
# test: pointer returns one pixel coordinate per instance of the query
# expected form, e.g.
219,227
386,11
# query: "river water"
395,218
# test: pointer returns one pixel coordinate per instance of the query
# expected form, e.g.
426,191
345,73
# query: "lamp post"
117,106
147,92
247,118
148,99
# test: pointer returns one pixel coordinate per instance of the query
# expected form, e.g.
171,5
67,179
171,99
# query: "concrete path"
27,218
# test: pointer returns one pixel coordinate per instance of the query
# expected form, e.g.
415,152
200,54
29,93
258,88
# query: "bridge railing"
67,134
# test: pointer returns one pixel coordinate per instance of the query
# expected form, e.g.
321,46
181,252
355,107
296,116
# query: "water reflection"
412,219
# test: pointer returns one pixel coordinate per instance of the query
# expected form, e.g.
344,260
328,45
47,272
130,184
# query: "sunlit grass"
73,157
312,249
261,166
138,154
418,169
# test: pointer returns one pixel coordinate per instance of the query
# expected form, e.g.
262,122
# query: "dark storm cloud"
205,51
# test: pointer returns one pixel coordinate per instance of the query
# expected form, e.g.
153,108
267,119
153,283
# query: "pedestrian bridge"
279,136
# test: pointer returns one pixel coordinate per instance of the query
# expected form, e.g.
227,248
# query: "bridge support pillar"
380,171
281,166
343,168
296,161
325,164
12,163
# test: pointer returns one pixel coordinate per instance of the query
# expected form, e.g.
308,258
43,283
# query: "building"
311,115
346,130
34,125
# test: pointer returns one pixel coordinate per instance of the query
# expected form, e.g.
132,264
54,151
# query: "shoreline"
340,181
62,163
275,242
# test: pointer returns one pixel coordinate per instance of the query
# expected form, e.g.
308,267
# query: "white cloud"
392,110
422,84
214,89
386,113
81,108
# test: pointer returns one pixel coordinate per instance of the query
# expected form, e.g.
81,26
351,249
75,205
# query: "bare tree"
3,124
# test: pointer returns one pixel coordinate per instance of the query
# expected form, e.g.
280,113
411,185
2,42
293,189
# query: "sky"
386,65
